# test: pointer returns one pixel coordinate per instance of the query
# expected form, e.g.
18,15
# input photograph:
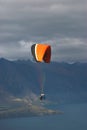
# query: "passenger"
42,96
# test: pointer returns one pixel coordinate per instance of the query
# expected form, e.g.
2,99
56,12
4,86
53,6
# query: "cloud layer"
61,23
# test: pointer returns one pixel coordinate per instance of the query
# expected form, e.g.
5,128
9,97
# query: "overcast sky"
60,23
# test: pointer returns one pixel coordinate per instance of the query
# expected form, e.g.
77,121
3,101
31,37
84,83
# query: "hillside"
61,81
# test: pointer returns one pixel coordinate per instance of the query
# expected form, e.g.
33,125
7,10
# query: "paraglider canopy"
41,52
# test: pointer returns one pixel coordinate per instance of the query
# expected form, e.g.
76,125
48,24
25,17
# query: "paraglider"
41,53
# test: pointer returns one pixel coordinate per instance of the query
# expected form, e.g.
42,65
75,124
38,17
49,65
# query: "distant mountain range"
61,81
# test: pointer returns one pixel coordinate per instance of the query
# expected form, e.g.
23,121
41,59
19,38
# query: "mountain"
62,81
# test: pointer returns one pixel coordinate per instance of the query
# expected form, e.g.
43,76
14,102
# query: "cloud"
69,49
63,49
20,51
54,21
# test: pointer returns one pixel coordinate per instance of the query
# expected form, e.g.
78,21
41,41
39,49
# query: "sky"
60,23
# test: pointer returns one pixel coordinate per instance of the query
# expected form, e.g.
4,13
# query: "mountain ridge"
18,77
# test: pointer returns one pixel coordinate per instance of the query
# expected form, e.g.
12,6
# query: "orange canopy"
41,52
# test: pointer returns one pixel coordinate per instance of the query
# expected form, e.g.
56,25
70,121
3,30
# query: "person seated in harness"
42,96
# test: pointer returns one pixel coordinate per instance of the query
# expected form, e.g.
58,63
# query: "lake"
74,118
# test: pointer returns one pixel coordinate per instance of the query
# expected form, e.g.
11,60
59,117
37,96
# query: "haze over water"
74,118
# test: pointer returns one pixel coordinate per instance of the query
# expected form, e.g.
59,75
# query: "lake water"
74,118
